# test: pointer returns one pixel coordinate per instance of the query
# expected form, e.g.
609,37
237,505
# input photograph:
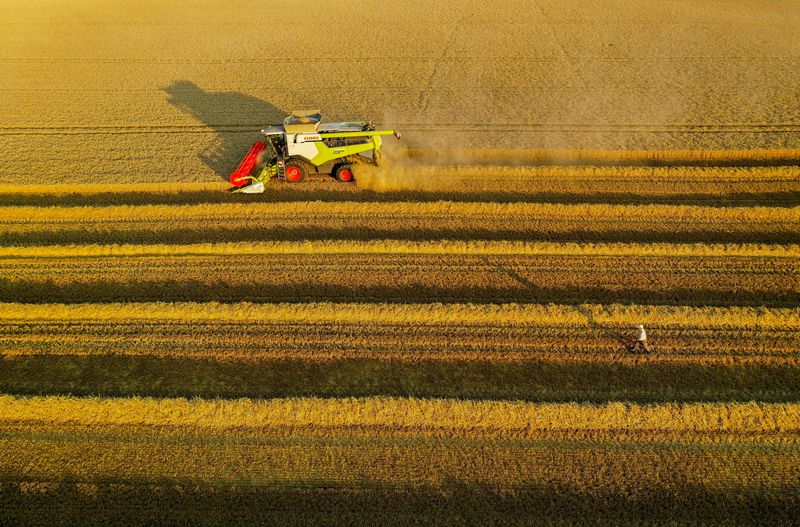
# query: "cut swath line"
485,248
612,315
402,210
413,413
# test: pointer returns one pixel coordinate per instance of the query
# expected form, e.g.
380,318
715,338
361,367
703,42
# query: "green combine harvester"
303,145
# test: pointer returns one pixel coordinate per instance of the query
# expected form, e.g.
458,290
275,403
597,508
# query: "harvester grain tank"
303,145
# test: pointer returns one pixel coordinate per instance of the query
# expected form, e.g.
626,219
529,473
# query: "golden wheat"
415,220
613,157
493,417
392,441
597,212
612,184
101,102
409,247
495,341
586,314
580,465
126,111
62,189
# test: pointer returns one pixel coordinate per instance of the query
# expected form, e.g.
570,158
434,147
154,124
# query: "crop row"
397,272
379,247
531,352
681,451
466,314
436,220
531,211
633,468
267,371
348,336
439,418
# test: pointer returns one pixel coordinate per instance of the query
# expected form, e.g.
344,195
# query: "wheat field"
440,343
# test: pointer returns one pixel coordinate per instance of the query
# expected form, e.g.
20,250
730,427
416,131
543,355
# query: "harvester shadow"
235,117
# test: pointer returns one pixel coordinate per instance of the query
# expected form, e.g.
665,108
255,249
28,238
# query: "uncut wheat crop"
445,341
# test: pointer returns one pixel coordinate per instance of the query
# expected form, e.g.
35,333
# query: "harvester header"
303,145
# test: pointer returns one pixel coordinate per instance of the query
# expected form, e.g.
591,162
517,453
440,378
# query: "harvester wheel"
294,172
344,173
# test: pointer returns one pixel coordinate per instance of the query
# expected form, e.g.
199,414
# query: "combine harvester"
302,145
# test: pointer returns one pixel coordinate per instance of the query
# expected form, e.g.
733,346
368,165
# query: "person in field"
640,342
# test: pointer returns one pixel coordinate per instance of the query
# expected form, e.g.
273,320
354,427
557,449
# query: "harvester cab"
303,145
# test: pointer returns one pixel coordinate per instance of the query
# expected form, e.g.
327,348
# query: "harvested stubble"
483,449
398,271
411,220
540,353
